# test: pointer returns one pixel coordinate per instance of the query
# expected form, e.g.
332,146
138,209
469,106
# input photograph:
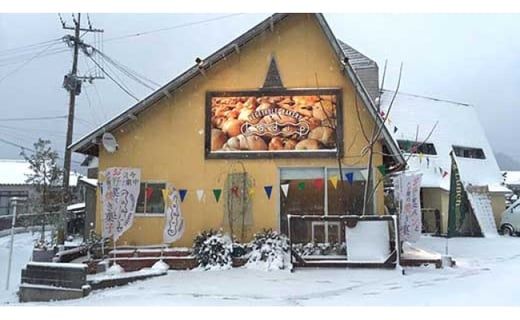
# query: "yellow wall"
167,140
439,199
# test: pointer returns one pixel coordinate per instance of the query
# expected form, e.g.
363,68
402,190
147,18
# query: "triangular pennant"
382,169
395,129
364,173
217,193
427,162
318,183
251,192
421,156
301,185
334,181
350,177
444,174
149,193
182,193
285,189
268,190
165,197
200,194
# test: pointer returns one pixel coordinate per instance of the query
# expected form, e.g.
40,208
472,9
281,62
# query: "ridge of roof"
221,53
357,59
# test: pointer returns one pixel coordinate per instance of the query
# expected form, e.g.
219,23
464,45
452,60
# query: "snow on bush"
320,249
115,269
270,251
212,250
160,265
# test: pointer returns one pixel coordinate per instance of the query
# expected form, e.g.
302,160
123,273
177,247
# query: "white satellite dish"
109,142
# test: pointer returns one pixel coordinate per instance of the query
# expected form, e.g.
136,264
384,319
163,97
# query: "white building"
427,130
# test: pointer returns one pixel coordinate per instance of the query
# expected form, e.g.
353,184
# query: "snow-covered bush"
320,249
213,249
240,249
270,251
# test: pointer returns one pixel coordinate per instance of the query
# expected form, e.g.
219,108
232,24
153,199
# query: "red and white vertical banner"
407,191
174,222
119,194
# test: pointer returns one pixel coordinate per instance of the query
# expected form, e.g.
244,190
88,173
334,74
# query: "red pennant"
318,183
149,192
234,190
444,174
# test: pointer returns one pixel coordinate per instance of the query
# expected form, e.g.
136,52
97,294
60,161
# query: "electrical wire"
34,118
138,34
27,47
26,62
113,80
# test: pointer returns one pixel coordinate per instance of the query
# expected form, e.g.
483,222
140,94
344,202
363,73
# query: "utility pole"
71,83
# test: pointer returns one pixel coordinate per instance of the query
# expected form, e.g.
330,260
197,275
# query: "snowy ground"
487,273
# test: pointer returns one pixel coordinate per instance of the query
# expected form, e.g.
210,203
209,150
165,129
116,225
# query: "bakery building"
271,124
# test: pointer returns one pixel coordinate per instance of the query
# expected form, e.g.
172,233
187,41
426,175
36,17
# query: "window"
409,146
5,208
311,191
150,199
467,152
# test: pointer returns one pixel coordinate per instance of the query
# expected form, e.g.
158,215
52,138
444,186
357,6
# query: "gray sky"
461,57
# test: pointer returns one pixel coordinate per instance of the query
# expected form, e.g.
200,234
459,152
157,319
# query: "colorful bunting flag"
301,185
318,183
234,190
440,170
350,177
334,181
395,129
382,169
421,156
200,194
285,189
217,193
364,173
427,162
149,192
444,174
268,190
182,193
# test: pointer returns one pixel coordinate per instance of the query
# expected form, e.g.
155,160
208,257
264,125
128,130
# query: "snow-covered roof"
413,117
13,172
76,206
512,177
92,182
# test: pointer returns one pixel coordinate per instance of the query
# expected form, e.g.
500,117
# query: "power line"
115,81
26,62
29,46
14,144
172,27
34,118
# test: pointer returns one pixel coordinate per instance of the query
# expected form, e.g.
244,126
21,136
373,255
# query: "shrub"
213,249
270,251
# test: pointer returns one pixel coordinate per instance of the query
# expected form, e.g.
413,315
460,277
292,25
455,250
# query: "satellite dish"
109,142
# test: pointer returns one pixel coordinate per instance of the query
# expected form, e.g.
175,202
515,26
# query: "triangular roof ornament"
272,78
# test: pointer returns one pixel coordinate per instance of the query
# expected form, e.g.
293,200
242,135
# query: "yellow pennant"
165,194
251,192
334,181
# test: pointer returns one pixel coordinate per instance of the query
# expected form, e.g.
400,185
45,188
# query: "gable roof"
89,144
415,116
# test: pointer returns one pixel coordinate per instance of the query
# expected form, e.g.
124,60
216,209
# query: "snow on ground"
487,273
22,250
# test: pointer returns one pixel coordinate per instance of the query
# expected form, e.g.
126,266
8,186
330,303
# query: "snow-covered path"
22,249
487,273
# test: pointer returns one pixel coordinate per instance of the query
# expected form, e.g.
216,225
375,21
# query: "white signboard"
174,222
368,241
119,194
408,194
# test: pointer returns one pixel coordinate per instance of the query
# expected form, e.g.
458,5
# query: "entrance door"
319,191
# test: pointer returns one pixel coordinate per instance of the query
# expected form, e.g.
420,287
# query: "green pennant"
217,193
382,169
301,185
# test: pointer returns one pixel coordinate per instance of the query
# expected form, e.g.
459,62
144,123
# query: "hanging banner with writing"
119,197
174,222
407,188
